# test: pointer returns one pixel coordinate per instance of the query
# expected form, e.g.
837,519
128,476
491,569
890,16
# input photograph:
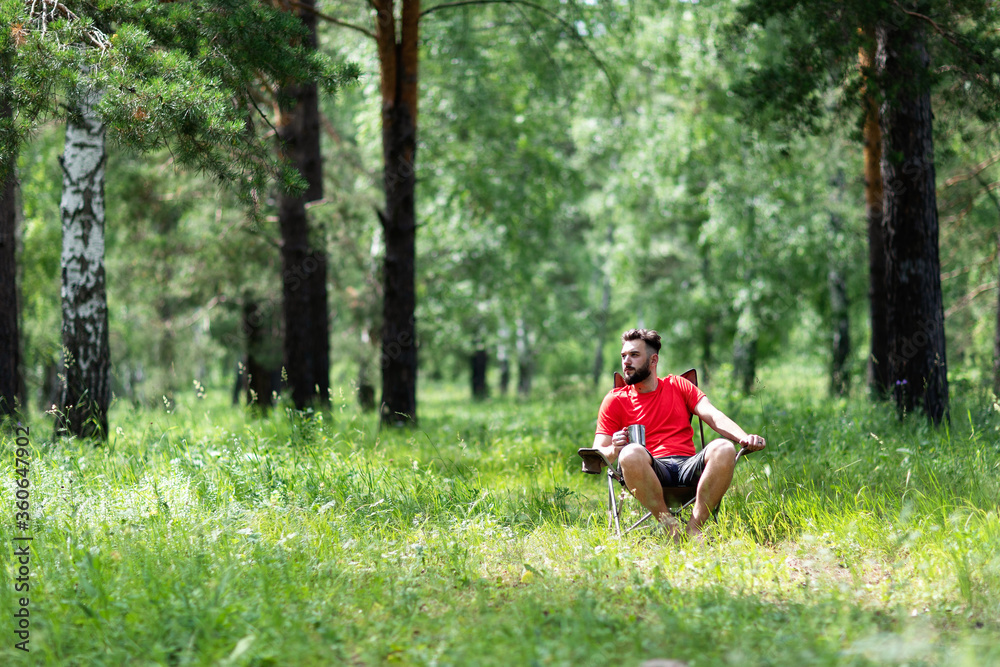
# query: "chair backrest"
692,377
689,375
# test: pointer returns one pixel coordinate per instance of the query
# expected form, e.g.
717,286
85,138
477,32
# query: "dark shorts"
679,470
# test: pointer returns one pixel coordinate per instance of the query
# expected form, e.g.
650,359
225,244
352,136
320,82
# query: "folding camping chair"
677,498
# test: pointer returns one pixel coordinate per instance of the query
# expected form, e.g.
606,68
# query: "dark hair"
648,336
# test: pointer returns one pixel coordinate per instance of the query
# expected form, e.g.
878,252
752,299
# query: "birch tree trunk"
85,390
604,312
919,370
747,336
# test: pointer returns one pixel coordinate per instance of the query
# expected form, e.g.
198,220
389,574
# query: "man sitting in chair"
665,406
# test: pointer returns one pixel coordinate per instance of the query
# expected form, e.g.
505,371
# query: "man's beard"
638,375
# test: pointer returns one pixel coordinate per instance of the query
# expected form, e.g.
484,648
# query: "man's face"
635,361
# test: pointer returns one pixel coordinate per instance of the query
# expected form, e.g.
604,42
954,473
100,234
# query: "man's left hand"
753,443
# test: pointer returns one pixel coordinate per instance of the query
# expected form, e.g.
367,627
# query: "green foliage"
202,535
187,76
804,50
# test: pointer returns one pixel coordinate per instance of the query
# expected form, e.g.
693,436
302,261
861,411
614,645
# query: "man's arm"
726,427
610,445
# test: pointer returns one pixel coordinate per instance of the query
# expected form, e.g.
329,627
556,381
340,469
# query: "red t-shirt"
665,412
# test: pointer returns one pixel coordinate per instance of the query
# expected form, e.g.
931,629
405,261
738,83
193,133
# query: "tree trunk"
917,362
257,374
9,338
366,394
745,361
86,356
747,325
480,390
709,320
525,360
878,359
503,361
840,381
304,265
996,335
398,66
840,316
239,381
504,375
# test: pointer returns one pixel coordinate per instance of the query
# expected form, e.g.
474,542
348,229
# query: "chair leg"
638,523
613,507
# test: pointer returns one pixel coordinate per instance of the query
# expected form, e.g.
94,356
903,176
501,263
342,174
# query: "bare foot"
696,536
672,527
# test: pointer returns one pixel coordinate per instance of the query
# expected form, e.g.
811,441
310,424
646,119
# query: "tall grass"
207,536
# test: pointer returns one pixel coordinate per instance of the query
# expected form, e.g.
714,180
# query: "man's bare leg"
641,480
720,461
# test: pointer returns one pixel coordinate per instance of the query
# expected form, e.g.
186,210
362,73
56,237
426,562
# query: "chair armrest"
593,460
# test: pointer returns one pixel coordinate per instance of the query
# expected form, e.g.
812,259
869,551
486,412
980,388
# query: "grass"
204,536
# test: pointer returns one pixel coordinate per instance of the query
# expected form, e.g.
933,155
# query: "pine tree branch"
974,172
43,12
262,114
967,298
947,34
331,19
927,19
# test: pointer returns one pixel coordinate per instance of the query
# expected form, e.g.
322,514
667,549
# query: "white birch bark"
86,357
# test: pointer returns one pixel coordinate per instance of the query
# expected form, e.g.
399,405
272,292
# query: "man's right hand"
619,439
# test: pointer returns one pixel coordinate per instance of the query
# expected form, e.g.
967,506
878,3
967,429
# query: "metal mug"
637,434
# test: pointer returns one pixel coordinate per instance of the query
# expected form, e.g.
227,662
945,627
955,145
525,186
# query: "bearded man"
664,406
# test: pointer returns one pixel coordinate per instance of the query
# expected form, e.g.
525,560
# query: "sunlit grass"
203,536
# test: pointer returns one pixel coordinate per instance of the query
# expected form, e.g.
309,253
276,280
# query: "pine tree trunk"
9,335
86,356
257,374
303,255
480,360
917,361
398,65
878,359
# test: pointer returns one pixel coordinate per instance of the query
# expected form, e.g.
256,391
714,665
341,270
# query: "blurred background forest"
581,168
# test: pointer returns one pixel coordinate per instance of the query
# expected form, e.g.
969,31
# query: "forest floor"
204,535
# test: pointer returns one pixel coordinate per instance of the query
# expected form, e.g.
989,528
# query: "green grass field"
204,536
